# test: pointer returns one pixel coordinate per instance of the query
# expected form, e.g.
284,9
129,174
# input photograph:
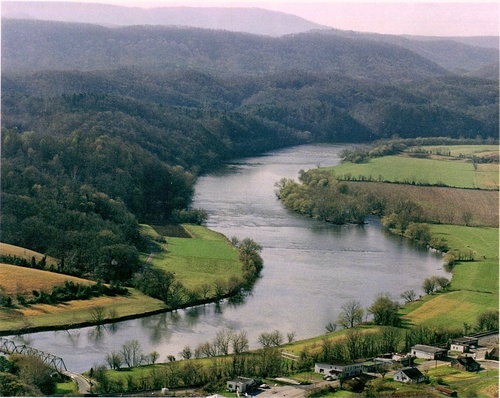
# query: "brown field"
14,279
76,312
27,254
442,204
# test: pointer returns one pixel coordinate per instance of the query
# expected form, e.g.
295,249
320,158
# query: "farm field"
481,384
441,204
452,172
474,285
20,279
15,279
21,252
462,150
202,259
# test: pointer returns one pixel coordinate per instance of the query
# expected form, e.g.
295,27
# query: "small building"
428,352
463,344
339,370
466,363
377,364
447,391
409,375
404,359
240,384
493,354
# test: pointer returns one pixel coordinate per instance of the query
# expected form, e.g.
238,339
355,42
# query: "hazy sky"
441,18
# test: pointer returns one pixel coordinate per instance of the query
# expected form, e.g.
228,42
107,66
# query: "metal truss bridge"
9,347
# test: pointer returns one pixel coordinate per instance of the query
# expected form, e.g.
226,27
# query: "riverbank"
310,265
442,196
205,262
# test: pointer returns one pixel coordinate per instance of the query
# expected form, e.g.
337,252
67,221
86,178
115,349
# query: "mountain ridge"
29,45
237,19
462,55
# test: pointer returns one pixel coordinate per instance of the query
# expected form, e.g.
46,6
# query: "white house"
409,375
240,384
428,352
464,344
339,370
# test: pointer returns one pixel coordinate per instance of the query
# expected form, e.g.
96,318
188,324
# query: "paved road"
82,382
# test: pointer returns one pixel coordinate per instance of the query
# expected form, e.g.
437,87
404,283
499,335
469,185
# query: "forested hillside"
40,45
105,128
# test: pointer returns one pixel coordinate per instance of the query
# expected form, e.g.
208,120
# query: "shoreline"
84,324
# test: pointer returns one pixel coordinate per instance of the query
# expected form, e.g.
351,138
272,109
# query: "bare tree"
97,314
429,285
114,360
222,340
186,353
240,342
409,296
205,289
331,327
273,339
351,314
132,353
153,357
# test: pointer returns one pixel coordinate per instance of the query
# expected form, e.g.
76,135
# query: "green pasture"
469,384
482,273
449,309
404,169
474,286
202,259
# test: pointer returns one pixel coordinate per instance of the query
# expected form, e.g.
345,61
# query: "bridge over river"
55,362
9,347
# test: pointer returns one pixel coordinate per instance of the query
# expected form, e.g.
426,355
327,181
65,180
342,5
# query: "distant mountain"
491,71
249,20
29,45
457,54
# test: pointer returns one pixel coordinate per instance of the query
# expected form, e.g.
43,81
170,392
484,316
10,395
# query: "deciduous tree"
385,311
351,314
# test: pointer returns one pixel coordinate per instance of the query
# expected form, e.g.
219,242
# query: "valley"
184,204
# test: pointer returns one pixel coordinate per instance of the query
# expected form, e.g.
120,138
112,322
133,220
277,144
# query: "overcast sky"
440,18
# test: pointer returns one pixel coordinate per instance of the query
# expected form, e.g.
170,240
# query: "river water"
310,268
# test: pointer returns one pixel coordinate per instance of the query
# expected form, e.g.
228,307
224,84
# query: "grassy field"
21,252
14,279
474,287
452,172
201,259
462,150
481,274
470,384
76,312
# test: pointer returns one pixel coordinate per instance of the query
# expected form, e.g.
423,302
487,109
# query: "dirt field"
442,204
15,279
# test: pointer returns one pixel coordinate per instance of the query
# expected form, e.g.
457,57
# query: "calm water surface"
310,268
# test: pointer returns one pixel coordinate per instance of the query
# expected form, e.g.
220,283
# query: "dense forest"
105,128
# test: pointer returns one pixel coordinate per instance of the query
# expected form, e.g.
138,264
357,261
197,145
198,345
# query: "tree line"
228,355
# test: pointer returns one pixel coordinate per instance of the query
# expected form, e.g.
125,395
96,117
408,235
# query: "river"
310,268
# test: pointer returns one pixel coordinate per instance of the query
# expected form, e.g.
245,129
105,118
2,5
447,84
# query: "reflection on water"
310,268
